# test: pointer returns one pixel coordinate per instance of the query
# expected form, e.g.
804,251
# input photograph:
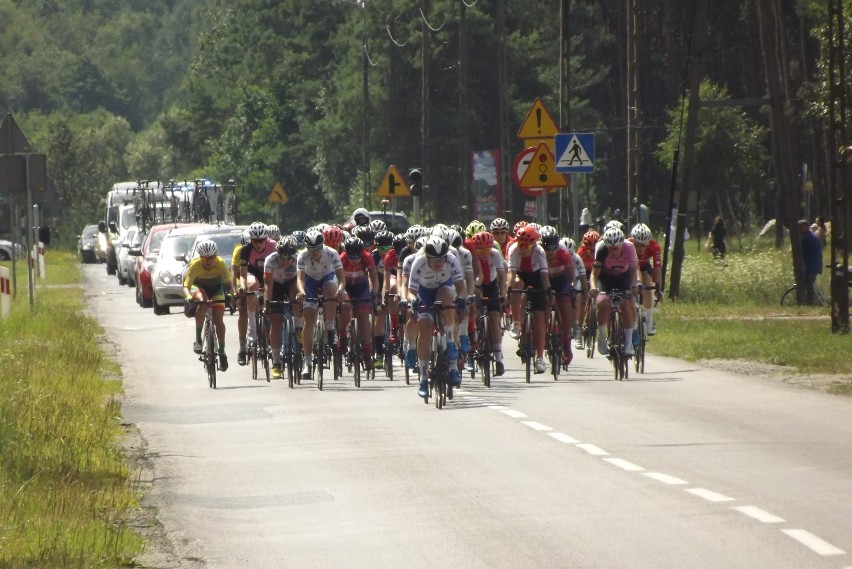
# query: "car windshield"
176,245
225,242
128,217
156,242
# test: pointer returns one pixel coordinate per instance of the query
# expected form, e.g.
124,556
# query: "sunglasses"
500,232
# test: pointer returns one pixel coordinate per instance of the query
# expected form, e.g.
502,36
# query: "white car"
126,262
6,250
226,238
167,274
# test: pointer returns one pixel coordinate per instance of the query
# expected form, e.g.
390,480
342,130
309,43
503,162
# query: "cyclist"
500,230
390,278
516,300
615,270
279,280
383,243
242,317
318,271
360,217
207,278
411,326
586,253
472,275
528,265
252,257
436,276
580,284
494,289
360,283
562,272
650,269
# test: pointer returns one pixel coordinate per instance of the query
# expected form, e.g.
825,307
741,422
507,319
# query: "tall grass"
65,488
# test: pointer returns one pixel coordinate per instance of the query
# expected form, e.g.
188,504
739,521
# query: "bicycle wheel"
390,349
527,349
263,345
355,352
252,353
288,350
439,376
789,297
318,349
555,353
590,332
615,339
639,350
486,354
210,352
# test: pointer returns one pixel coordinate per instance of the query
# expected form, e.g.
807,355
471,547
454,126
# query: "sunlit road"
682,467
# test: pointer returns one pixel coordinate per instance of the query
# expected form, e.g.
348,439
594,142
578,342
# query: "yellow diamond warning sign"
541,172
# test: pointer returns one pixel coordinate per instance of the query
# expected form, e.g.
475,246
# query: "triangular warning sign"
278,195
393,185
12,139
541,172
575,155
538,124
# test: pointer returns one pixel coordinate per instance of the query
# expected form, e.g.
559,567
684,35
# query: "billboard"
485,185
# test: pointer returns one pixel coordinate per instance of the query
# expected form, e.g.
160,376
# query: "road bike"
615,336
209,355
590,328
440,387
553,346
291,350
483,353
258,348
526,349
355,361
324,352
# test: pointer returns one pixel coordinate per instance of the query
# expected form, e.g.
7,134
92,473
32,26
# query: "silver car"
125,262
167,274
226,238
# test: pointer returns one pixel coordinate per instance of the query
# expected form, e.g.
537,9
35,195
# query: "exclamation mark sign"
538,119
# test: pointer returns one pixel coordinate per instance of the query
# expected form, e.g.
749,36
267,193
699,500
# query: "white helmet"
569,244
613,237
314,238
499,223
614,223
273,232
245,237
377,225
257,230
641,234
207,248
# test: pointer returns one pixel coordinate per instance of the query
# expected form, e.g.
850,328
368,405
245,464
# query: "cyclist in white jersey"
410,323
280,283
318,271
436,276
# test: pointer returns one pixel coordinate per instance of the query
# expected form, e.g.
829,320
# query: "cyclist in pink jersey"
252,258
615,270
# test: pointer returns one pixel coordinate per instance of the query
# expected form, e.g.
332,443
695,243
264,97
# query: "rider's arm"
300,282
341,280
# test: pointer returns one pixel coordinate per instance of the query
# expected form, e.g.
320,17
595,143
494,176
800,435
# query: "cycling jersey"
211,281
253,260
650,257
424,276
279,274
328,263
391,261
536,261
354,273
587,255
615,268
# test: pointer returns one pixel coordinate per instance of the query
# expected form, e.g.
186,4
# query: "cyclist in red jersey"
650,270
361,283
586,252
560,264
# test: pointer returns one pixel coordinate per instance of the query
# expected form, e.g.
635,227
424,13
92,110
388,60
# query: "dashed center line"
624,465
812,542
563,438
536,426
512,413
593,449
759,515
709,495
665,478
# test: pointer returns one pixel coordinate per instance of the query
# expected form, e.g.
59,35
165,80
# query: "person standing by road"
811,258
717,238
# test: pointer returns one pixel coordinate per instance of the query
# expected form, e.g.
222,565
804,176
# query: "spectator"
586,221
717,238
640,213
819,229
811,258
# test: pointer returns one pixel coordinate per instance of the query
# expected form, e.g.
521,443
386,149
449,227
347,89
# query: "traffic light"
415,181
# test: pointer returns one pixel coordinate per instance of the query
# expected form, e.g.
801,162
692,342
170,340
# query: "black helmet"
286,246
549,238
384,239
399,243
353,247
436,247
364,233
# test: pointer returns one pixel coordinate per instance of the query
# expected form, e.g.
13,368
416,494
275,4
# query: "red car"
146,256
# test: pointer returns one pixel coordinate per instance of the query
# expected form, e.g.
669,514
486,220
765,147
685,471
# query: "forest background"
263,92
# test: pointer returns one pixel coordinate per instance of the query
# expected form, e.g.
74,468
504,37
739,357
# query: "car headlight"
88,246
166,277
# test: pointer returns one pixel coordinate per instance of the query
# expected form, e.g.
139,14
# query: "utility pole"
565,103
464,118
633,12
503,97
365,163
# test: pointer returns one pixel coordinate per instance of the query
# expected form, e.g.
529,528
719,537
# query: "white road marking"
563,438
812,542
512,413
709,495
665,478
536,426
624,465
496,407
759,515
592,449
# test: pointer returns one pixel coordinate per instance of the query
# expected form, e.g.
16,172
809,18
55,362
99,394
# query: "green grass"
65,487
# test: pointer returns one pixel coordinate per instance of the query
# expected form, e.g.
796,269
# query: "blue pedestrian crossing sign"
575,152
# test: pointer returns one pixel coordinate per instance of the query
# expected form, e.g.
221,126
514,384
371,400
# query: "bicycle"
526,350
400,346
324,354
291,351
258,349
615,336
354,354
391,348
553,346
590,328
210,343
440,386
641,337
483,353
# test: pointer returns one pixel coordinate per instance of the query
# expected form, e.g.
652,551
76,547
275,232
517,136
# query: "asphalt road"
682,467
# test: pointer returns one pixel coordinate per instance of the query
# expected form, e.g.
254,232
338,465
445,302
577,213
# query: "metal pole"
15,221
30,260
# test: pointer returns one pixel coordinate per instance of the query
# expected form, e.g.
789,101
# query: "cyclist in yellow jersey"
207,278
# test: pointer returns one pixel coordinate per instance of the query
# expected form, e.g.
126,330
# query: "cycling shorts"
538,297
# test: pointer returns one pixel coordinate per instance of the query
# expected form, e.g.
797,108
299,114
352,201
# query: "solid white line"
812,542
563,438
512,413
592,449
624,465
536,426
759,515
496,407
709,495
665,478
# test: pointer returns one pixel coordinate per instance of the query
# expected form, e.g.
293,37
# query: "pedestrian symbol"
575,152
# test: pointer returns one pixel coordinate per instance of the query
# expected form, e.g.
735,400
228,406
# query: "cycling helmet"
384,239
420,243
613,237
549,238
482,240
332,237
614,223
590,238
361,216
528,235
536,226
322,227
457,228
455,238
353,247
436,247
364,233
641,234
257,230
518,226
569,244
377,225
474,227
207,248
400,242
412,233
441,231
245,237
273,232
286,246
299,236
499,224
313,239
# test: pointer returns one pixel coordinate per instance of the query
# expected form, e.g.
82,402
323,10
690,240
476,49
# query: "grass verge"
65,487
